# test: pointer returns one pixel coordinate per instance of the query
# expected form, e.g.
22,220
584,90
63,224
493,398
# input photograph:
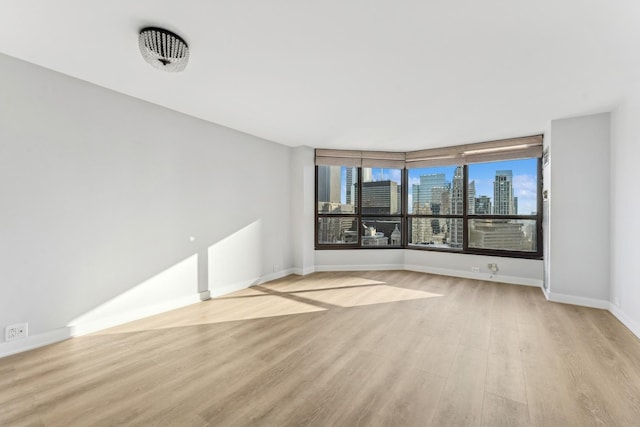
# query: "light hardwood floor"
340,349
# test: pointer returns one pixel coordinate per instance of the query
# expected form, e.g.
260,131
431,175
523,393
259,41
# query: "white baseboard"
627,321
364,267
303,271
575,300
274,276
545,292
34,341
513,280
85,328
238,286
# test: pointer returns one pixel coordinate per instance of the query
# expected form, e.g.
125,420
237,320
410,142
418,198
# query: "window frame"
406,217
360,216
537,254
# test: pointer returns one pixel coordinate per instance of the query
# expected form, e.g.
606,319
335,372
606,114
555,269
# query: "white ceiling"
360,74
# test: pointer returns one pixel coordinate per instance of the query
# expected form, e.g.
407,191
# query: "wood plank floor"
340,349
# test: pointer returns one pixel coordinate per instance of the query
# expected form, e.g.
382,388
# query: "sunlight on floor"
279,298
228,309
352,297
320,283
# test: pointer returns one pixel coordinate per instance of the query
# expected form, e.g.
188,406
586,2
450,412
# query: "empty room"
411,213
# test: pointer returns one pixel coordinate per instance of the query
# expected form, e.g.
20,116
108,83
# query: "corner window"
480,198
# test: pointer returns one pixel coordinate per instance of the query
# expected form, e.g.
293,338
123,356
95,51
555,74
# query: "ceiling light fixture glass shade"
163,49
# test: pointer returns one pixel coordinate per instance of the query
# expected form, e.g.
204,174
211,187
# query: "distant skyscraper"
367,174
457,206
431,188
352,180
380,197
503,193
431,196
498,234
483,205
329,184
471,198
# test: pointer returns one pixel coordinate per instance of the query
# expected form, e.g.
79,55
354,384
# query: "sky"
524,179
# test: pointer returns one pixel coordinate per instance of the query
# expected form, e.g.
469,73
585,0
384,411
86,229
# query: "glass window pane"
337,189
436,190
381,191
436,232
503,188
382,231
503,234
337,230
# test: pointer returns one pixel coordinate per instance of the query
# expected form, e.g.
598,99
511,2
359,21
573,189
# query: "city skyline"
433,191
525,176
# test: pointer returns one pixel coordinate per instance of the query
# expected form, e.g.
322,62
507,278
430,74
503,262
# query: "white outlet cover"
16,331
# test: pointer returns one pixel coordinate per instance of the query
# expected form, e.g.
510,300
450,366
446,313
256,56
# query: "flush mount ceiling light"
163,49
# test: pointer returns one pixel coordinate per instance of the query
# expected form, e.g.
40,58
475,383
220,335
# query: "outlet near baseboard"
15,332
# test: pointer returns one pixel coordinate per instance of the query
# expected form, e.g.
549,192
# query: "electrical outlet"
276,268
475,269
17,331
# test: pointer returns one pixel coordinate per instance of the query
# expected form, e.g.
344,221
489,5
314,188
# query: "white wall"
625,209
510,270
359,259
303,209
101,194
579,210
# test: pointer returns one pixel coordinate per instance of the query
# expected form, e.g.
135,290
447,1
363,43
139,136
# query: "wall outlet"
276,267
475,269
15,332
493,267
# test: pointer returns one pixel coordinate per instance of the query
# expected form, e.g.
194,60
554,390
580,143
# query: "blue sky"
524,179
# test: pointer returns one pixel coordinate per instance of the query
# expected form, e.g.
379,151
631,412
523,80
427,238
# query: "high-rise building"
431,188
380,197
431,196
329,184
503,193
457,207
483,205
498,234
352,185
471,198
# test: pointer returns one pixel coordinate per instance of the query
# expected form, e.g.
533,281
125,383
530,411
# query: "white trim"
274,276
575,300
34,341
131,315
227,289
363,267
513,280
627,321
303,271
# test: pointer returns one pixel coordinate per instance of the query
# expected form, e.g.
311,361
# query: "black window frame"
406,217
